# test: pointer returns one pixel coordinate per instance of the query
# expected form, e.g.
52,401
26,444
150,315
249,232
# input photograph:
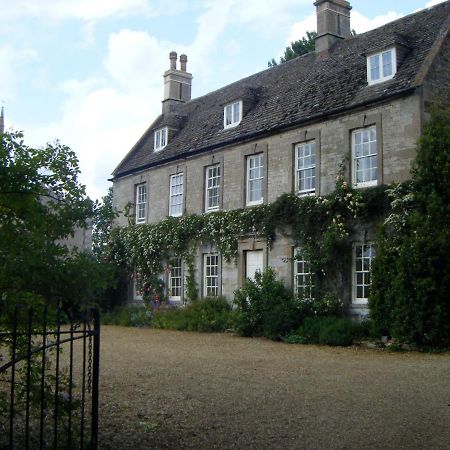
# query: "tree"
103,220
301,47
41,201
115,293
411,273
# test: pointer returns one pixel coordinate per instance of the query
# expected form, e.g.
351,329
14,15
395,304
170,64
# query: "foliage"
265,307
41,201
103,220
297,48
328,305
191,284
127,316
210,314
335,331
411,273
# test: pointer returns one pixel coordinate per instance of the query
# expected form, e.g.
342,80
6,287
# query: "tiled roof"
295,92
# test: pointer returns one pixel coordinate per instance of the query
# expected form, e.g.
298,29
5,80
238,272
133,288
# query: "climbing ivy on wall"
321,225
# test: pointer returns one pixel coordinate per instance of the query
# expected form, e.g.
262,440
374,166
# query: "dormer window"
160,139
232,114
381,66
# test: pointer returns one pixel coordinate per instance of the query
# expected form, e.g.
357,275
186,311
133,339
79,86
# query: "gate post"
95,379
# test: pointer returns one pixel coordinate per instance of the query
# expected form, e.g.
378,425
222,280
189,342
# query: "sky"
89,72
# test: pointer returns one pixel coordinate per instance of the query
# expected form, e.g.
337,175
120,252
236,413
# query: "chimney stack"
333,23
183,62
177,84
173,60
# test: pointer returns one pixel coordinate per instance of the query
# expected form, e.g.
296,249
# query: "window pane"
303,277
211,275
212,188
374,67
364,155
176,195
228,112
232,113
141,202
175,279
306,161
236,112
387,63
255,178
362,263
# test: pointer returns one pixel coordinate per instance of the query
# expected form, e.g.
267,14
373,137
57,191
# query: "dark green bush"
411,273
328,305
127,316
335,331
210,314
265,307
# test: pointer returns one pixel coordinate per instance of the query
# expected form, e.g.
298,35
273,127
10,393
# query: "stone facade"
399,125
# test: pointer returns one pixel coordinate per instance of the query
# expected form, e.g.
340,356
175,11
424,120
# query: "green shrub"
335,331
210,314
127,316
265,307
328,305
411,273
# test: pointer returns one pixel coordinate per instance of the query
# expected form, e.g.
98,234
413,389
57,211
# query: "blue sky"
89,72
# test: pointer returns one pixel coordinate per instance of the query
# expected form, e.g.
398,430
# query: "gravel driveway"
168,389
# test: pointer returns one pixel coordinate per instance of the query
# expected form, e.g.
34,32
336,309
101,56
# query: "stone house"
361,98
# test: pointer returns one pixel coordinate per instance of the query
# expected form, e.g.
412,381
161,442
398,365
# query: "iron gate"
49,386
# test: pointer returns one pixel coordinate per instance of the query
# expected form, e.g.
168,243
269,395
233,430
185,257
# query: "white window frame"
160,139
212,182
211,279
367,145
303,277
305,162
175,284
141,202
232,114
378,58
175,183
361,273
260,178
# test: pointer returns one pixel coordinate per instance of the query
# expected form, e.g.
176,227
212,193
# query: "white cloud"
103,117
299,29
135,57
359,23
433,2
101,125
11,61
84,9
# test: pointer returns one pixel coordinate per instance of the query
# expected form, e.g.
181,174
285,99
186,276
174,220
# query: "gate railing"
49,386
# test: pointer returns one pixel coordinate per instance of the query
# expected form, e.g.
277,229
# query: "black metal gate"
49,384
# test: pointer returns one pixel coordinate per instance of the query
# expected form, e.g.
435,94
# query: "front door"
253,263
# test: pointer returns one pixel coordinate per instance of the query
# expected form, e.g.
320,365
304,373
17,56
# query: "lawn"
168,389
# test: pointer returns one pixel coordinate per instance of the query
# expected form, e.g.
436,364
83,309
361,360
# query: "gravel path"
168,389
